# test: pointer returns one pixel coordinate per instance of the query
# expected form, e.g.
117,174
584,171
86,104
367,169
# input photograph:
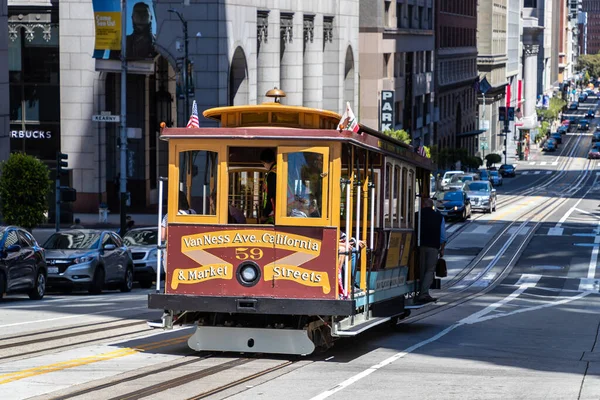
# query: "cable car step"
360,327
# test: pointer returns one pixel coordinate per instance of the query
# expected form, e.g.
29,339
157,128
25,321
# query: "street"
517,317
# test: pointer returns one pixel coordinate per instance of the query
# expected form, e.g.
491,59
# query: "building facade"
592,8
514,76
456,75
237,51
491,63
397,55
4,98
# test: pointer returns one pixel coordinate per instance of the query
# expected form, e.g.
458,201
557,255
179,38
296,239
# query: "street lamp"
185,64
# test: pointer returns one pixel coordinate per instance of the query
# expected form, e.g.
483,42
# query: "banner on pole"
141,29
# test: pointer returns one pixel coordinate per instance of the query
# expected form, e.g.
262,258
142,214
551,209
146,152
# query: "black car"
454,204
22,263
507,170
584,124
591,114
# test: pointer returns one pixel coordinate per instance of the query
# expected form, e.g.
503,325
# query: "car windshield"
478,187
73,240
142,237
453,196
457,178
506,166
494,173
467,178
450,175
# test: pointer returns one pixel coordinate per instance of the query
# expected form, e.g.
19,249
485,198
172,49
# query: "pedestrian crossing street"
537,172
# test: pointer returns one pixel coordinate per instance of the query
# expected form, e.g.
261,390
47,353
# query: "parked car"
596,136
584,124
448,176
453,204
582,98
573,106
482,195
88,258
142,244
557,136
507,170
550,145
591,114
563,129
22,263
496,178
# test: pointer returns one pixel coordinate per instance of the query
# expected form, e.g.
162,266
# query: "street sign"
106,118
484,146
483,139
485,125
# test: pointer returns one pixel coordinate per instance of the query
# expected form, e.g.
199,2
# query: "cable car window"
386,206
397,198
198,178
305,182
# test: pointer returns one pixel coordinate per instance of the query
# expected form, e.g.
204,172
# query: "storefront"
34,82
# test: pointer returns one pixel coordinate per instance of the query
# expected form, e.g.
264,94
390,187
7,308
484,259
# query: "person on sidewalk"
432,242
77,224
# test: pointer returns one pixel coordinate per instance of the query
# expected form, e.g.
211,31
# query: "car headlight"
84,259
248,273
152,253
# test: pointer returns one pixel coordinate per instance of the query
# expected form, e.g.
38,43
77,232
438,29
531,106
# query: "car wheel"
464,215
146,284
494,209
127,284
39,289
98,281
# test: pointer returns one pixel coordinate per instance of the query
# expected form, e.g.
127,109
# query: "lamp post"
123,133
186,100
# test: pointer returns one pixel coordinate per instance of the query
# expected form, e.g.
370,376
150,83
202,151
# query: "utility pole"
186,100
123,138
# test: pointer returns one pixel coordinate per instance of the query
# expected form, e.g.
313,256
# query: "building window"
530,4
410,16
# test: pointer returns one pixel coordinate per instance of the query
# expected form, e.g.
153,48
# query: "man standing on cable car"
267,157
432,242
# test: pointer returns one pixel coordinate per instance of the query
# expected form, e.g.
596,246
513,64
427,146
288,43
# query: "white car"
448,177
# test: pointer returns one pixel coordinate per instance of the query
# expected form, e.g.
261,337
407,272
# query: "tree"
492,159
586,77
473,162
24,187
400,135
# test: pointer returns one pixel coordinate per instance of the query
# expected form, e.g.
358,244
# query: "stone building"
237,51
397,56
456,74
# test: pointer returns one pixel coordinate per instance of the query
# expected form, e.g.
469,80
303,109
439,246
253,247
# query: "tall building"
237,50
563,43
456,73
592,8
514,67
491,63
396,56
4,97
583,37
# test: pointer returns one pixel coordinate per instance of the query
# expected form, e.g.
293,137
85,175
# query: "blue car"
454,204
507,170
557,136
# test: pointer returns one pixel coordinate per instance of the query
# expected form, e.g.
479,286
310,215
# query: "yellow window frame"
282,182
176,148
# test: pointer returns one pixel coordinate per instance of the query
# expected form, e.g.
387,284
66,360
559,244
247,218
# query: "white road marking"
543,163
593,262
555,231
548,172
515,229
555,163
481,230
72,316
537,172
532,163
525,173
474,318
589,285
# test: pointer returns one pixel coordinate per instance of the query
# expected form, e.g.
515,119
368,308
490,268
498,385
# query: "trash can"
103,213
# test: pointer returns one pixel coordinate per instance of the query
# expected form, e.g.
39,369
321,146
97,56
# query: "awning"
470,133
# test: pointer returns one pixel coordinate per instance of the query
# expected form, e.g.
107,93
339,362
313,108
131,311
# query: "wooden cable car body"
284,287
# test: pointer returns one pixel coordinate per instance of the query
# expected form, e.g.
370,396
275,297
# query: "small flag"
484,85
421,151
193,122
348,121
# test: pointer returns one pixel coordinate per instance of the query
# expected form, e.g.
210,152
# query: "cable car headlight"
248,273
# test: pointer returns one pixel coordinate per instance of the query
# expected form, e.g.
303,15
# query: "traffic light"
511,113
501,113
68,194
60,164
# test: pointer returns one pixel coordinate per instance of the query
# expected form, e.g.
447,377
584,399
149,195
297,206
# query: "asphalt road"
518,318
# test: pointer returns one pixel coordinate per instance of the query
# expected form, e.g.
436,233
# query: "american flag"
421,151
193,122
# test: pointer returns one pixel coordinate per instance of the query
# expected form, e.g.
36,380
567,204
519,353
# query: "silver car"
142,243
482,195
90,259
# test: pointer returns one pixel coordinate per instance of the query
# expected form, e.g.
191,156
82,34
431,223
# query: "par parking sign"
386,120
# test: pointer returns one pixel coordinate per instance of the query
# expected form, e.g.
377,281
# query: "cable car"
326,253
